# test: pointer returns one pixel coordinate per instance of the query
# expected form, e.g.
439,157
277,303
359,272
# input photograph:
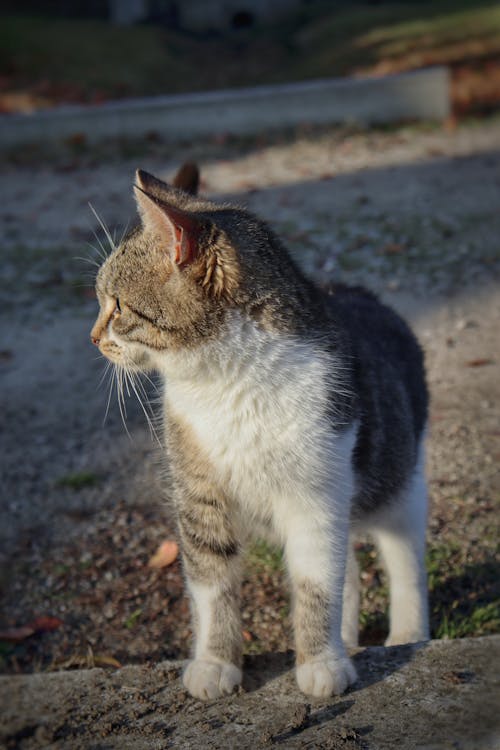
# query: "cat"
289,412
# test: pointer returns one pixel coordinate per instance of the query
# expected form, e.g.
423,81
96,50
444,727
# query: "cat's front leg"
316,563
212,567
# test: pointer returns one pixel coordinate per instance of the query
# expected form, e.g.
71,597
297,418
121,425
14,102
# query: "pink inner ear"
169,220
178,243
181,245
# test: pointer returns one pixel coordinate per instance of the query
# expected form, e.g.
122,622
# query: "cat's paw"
408,636
326,676
210,679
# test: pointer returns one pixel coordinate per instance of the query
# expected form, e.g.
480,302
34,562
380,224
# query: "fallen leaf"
103,660
165,555
16,635
247,636
45,624
480,362
42,624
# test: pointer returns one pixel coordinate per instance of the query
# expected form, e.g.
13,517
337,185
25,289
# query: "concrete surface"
422,94
444,694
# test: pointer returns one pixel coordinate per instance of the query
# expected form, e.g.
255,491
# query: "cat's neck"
242,347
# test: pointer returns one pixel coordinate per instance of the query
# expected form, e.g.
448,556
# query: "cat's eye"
118,308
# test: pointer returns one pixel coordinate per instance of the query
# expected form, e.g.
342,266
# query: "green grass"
262,555
483,620
102,61
463,595
133,619
97,56
79,480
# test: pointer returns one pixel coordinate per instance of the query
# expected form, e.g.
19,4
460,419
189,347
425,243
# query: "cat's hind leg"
400,536
350,607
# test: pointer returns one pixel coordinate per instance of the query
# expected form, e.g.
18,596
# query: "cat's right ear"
181,230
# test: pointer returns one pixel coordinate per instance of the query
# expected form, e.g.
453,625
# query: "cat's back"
379,338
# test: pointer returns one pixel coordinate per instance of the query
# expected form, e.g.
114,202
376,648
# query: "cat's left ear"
180,229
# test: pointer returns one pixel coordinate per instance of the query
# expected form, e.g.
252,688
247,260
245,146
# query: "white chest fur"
258,405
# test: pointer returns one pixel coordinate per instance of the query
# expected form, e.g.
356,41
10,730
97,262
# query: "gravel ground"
411,212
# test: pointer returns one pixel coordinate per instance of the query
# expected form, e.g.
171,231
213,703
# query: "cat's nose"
95,340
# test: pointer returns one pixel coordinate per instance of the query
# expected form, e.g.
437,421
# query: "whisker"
124,232
151,382
90,261
121,399
135,384
139,386
111,383
104,227
126,380
122,392
100,250
106,370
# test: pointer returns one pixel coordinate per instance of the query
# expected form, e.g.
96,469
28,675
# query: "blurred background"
61,51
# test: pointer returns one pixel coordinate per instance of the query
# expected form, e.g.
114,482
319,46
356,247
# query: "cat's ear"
180,229
188,178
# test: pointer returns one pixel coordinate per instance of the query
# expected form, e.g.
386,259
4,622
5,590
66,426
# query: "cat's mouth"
111,351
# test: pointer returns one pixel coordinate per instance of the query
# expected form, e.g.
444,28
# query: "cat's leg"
400,537
350,607
316,533
317,568
212,567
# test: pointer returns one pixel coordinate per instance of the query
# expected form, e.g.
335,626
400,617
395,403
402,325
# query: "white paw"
399,639
322,677
211,679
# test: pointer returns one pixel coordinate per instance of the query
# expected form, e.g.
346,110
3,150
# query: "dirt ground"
411,212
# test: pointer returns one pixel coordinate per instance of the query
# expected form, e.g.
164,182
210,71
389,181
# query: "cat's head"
189,266
171,280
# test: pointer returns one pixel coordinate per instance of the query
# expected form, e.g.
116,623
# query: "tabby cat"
289,413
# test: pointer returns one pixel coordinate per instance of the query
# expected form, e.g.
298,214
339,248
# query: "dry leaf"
42,624
103,660
247,636
165,555
16,635
480,362
45,624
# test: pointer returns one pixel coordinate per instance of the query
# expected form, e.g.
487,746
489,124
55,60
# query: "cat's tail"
187,178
